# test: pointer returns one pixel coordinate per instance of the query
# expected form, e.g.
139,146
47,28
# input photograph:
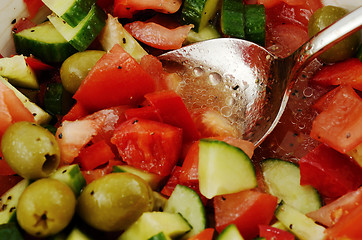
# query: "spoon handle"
325,39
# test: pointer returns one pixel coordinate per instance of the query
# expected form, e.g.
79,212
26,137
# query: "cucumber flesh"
199,12
81,36
71,11
18,72
224,169
230,232
208,32
232,18
149,224
187,202
77,234
44,42
282,179
160,236
298,223
9,201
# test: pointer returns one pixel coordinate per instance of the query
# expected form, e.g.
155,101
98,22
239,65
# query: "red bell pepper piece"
205,234
174,112
272,233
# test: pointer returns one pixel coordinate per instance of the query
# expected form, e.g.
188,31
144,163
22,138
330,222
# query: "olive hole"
50,164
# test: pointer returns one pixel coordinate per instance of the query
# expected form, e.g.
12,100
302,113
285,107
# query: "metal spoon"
248,82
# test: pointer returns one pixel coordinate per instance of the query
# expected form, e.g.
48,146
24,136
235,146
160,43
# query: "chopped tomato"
126,8
246,209
11,109
269,3
148,145
272,233
76,112
22,24
106,4
323,102
158,36
146,112
339,125
116,79
205,234
5,169
348,72
8,182
330,172
348,227
154,68
173,111
94,174
33,6
331,213
95,155
37,65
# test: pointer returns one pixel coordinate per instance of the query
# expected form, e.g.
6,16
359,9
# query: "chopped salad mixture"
98,141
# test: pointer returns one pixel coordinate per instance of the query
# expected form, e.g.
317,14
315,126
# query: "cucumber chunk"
224,169
40,116
298,223
208,32
18,72
282,179
77,234
149,224
10,231
72,176
187,202
199,12
160,236
9,201
232,18
71,11
81,36
254,15
230,232
44,42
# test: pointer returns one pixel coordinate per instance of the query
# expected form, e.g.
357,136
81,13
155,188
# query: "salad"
99,141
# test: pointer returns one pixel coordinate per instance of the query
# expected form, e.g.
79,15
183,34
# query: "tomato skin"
146,112
205,234
348,72
158,36
331,213
339,125
116,79
173,111
272,233
247,210
148,145
37,65
8,182
330,172
323,102
33,6
5,169
95,155
22,24
76,112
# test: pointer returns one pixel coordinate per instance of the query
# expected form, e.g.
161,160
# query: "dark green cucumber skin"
255,23
87,35
359,53
47,52
159,236
56,100
10,231
191,12
78,12
233,18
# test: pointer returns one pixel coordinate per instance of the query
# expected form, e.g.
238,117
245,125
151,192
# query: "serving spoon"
250,85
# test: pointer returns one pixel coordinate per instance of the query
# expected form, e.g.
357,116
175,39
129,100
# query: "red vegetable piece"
95,155
322,103
330,172
149,145
126,8
22,24
76,112
33,6
158,36
246,209
94,174
146,112
272,233
174,112
37,65
5,169
116,79
339,126
8,182
331,213
190,165
205,234
348,72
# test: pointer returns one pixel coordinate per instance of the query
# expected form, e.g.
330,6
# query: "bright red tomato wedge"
247,210
340,124
331,213
33,6
37,65
8,182
206,234
323,102
95,155
116,79
272,233
5,169
158,36
330,172
126,8
348,72
148,145
76,112
146,112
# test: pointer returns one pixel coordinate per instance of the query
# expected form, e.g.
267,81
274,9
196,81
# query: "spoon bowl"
244,81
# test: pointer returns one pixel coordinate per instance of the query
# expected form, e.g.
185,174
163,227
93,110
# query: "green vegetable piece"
10,231
322,18
255,23
56,100
232,18
160,236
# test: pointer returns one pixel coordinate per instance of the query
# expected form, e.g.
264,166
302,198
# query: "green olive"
75,68
30,150
321,19
45,207
115,201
